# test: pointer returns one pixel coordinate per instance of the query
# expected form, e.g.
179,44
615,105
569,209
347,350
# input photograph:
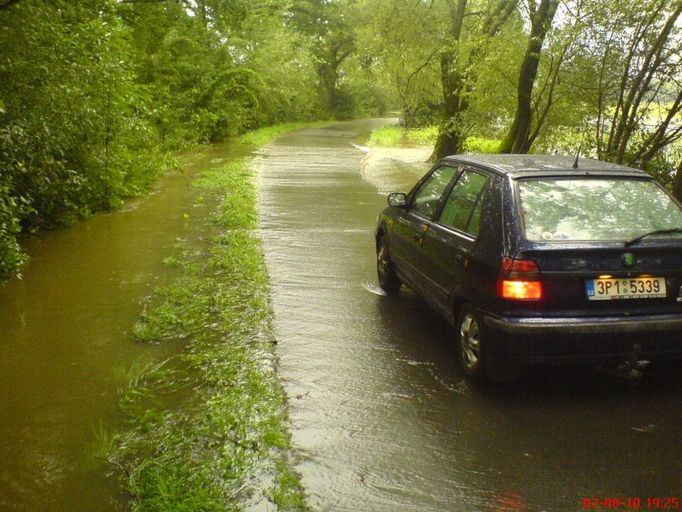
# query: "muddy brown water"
382,417
66,348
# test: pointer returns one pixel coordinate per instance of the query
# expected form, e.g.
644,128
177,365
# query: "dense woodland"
96,94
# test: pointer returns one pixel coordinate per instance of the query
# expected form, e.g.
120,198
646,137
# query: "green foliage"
94,95
74,138
425,136
481,145
395,136
332,42
401,39
11,257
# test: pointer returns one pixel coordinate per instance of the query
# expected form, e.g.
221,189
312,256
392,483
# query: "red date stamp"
631,503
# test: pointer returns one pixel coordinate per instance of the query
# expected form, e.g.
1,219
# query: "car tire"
388,280
479,359
470,344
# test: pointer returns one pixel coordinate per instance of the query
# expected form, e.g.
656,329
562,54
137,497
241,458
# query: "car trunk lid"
644,279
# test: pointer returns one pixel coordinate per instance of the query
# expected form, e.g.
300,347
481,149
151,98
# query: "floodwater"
65,343
382,417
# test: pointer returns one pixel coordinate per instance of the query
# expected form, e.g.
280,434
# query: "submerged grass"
208,428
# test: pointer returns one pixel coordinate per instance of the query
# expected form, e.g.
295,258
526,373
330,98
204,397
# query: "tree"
458,75
658,60
398,37
332,42
518,139
73,138
636,52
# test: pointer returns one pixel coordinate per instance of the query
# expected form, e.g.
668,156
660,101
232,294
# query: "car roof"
518,166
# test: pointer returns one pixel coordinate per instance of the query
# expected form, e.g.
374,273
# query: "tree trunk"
448,141
517,139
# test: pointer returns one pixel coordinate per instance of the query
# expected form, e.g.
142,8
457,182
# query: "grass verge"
264,135
208,428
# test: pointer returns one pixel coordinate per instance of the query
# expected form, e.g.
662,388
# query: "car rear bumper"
584,340
591,325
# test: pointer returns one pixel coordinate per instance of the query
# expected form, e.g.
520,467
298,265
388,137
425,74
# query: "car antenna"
575,164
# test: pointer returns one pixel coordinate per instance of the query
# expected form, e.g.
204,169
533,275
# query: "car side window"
425,201
462,208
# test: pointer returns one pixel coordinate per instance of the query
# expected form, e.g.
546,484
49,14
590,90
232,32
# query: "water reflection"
595,209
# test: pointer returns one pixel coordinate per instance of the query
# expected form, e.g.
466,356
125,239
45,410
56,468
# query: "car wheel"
481,358
470,344
388,280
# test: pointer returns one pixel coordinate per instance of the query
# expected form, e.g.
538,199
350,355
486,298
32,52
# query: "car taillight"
519,280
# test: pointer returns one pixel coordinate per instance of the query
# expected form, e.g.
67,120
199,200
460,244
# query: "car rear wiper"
655,232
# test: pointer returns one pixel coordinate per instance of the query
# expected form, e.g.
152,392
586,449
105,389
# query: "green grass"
423,136
267,134
387,136
397,136
481,145
208,428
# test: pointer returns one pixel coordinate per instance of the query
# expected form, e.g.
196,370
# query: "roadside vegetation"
94,95
208,427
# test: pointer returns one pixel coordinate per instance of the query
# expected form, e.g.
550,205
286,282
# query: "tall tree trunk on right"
517,139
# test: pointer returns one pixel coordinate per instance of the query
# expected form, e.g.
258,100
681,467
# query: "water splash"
374,288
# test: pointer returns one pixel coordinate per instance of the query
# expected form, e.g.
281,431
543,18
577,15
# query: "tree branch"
5,4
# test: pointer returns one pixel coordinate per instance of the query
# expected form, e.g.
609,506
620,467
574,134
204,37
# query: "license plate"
625,288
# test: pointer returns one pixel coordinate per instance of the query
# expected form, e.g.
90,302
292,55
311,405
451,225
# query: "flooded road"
65,343
382,417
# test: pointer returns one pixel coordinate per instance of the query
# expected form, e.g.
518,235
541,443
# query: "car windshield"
561,209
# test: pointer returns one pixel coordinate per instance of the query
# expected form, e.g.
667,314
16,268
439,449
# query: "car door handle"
418,237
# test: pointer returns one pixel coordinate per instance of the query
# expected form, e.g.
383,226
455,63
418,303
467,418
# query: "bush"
11,257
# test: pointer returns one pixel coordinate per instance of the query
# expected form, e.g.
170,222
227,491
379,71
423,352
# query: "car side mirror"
397,199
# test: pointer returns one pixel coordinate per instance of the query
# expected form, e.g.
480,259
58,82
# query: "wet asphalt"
382,418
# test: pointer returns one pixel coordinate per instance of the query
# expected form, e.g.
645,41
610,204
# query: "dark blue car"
540,259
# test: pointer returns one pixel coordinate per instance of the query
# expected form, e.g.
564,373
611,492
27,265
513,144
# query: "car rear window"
560,209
